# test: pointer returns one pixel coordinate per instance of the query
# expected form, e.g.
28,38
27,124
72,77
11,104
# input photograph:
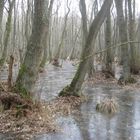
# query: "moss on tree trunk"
28,72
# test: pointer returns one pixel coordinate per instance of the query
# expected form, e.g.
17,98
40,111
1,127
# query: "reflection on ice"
87,124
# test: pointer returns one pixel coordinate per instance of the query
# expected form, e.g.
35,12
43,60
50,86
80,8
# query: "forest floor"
100,78
25,119
24,123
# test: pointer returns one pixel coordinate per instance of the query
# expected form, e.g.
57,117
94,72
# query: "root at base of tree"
37,122
41,70
68,91
24,118
38,119
11,100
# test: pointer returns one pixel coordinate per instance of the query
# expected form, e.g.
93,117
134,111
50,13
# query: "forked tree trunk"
123,38
29,69
76,84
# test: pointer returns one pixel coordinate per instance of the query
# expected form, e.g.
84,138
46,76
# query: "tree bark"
1,17
76,84
7,33
29,69
108,60
123,38
57,56
1,11
85,34
131,37
10,75
45,40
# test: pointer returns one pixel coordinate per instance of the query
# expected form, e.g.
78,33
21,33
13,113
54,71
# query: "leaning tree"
76,84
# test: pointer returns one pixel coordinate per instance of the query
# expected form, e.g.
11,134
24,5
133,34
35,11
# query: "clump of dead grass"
109,106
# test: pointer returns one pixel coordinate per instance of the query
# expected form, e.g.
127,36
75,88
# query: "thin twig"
112,46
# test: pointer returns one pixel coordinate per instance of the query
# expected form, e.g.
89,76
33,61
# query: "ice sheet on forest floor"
87,124
92,125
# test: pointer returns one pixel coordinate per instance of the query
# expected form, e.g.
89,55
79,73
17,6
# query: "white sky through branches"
75,6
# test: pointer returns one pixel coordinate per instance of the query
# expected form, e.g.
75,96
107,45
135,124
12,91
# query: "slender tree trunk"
108,60
7,33
71,56
76,84
131,37
84,20
85,34
23,33
10,75
45,40
1,10
14,29
29,69
63,33
49,44
1,17
27,20
123,38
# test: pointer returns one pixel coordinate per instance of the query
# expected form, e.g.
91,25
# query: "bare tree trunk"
85,34
7,32
10,75
76,84
131,37
108,60
1,17
49,44
123,38
45,40
71,56
14,29
29,69
27,20
84,20
63,33
1,10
